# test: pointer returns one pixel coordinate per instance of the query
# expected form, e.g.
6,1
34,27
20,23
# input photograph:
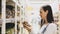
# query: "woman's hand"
27,26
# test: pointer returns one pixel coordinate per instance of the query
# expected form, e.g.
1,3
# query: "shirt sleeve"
34,29
51,29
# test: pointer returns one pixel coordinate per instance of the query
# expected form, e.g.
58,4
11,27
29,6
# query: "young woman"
47,22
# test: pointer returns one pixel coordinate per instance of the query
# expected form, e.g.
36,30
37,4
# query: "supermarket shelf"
8,20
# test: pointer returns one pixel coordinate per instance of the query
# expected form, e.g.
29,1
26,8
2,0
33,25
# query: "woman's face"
43,13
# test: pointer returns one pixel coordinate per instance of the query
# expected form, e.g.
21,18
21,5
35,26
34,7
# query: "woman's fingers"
27,27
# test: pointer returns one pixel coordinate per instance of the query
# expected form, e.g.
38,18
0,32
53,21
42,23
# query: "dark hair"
50,18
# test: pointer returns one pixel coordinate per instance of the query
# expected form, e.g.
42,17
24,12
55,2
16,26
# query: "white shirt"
51,29
35,28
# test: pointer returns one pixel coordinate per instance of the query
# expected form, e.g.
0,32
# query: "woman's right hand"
27,26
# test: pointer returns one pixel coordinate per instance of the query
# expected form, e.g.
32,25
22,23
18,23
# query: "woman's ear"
46,12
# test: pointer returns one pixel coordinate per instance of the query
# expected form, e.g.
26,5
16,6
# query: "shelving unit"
13,20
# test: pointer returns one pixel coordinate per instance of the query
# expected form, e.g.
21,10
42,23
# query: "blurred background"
18,11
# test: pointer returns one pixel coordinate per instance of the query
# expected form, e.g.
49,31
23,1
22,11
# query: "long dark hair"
50,18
